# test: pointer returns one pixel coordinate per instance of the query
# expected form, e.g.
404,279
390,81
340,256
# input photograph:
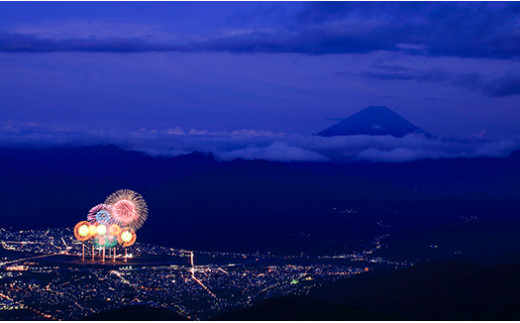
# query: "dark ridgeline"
373,121
198,203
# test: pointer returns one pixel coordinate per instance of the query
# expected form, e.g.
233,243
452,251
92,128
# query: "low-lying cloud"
266,145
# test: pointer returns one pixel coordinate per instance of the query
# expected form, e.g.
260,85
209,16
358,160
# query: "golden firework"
101,229
82,231
126,237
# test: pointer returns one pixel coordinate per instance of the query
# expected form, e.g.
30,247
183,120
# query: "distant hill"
374,121
436,291
137,313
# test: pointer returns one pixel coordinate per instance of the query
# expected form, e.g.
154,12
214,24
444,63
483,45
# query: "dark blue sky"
450,68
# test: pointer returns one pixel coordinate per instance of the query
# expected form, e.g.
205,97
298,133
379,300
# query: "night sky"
255,80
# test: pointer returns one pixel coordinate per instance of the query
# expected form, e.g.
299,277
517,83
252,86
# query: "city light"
160,274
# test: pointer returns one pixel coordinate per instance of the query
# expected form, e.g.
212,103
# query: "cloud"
277,151
435,29
504,86
27,43
507,85
470,29
266,145
313,41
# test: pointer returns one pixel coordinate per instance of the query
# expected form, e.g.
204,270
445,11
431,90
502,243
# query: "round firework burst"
92,228
101,230
101,214
82,231
114,229
127,237
128,208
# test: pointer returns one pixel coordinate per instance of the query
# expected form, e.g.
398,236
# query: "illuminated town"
71,274
43,276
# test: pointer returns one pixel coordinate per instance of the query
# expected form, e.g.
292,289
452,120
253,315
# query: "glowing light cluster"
115,221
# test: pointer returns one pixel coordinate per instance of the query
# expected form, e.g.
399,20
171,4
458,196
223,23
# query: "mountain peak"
374,121
378,108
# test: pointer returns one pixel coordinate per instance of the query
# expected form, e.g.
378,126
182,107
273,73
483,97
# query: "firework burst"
92,228
101,214
128,208
114,229
107,241
110,241
82,231
113,222
127,237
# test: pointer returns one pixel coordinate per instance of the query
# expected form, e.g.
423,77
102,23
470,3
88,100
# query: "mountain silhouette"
374,121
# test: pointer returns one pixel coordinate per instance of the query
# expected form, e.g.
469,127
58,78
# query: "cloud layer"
266,145
465,29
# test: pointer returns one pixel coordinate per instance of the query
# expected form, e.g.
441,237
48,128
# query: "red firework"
125,211
128,208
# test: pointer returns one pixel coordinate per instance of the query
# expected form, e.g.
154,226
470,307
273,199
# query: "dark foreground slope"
298,308
434,291
441,291
137,313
